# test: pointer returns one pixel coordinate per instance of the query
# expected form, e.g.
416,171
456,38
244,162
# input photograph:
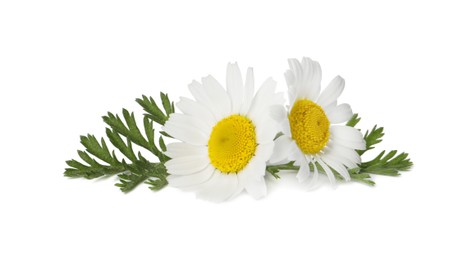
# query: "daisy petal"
296,70
192,179
315,81
221,103
342,113
196,109
278,113
264,99
185,133
282,147
332,92
184,149
255,169
252,178
315,177
266,129
328,171
349,157
304,171
219,188
201,97
187,164
294,152
234,87
311,79
290,80
256,188
264,151
249,91
337,166
348,137
194,122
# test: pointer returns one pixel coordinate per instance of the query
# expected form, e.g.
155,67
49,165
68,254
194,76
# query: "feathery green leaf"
123,134
354,120
372,138
389,164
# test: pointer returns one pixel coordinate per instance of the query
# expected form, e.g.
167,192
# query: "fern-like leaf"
124,133
372,138
389,164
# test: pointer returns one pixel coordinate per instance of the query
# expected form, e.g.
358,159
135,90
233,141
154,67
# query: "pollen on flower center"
232,143
309,126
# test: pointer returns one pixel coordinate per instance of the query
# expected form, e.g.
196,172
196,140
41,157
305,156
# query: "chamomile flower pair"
227,136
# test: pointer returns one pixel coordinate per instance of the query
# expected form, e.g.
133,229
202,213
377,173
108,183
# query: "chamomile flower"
313,133
226,137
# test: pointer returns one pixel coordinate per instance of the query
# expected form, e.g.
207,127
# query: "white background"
408,65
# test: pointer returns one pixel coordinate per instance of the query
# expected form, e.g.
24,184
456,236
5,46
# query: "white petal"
255,169
342,113
256,188
187,164
314,82
349,157
304,171
201,96
303,79
347,136
285,127
290,80
337,166
348,153
239,187
190,121
234,87
219,188
196,109
330,108
294,153
184,149
185,133
282,147
192,179
217,94
339,158
296,70
264,99
264,151
266,129
328,171
311,78
278,113
315,177
249,91
332,92
252,178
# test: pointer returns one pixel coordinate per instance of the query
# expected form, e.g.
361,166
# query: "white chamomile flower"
226,137
312,134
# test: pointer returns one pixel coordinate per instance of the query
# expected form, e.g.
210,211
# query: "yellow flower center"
309,126
232,143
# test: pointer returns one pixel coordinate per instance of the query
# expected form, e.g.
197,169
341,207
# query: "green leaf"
387,164
124,134
353,121
153,112
372,138
158,177
132,132
129,181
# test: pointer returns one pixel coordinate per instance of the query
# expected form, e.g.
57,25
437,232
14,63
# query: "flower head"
226,137
312,134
